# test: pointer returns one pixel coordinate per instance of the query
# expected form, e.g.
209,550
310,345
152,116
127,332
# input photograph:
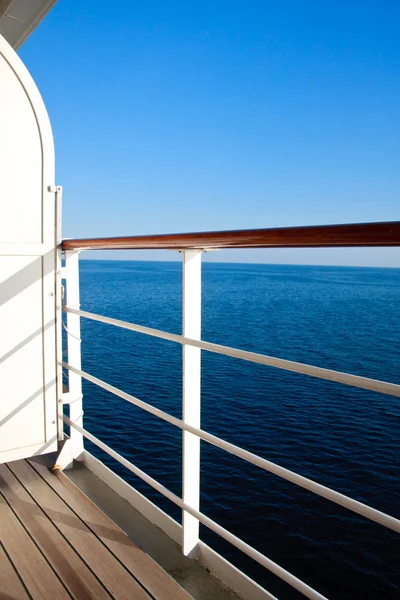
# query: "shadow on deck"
55,543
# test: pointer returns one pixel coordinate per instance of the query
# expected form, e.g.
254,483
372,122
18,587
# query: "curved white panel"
27,266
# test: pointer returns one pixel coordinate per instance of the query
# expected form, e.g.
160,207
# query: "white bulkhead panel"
28,400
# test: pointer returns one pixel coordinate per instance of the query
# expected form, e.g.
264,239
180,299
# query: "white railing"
190,423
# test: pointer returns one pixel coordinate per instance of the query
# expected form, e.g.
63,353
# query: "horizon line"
227,262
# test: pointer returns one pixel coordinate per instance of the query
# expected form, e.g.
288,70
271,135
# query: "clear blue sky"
188,116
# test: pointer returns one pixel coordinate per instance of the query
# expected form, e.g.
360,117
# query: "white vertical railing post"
191,317
74,350
58,241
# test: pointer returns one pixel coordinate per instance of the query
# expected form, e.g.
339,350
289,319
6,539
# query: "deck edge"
221,568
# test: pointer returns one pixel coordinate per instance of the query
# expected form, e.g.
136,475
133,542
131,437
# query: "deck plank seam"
151,596
10,560
69,486
35,544
63,536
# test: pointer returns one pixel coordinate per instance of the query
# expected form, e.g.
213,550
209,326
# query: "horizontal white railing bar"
341,499
221,531
374,385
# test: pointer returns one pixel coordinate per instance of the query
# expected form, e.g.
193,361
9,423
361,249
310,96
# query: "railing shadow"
28,339
49,548
25,277
68,518
46,445
18,282
26,402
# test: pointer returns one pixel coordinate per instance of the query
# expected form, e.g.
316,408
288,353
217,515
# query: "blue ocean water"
346,438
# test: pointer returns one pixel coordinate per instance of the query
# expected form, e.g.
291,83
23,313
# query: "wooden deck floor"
56,544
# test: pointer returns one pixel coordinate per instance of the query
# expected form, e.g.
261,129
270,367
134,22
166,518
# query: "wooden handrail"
321,236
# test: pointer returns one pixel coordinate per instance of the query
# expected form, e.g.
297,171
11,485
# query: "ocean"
336,317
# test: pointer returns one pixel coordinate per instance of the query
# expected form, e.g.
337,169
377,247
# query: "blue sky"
188,116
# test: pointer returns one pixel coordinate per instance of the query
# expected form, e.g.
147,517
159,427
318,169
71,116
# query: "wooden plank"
315,236
39,579
10,584
77,578
117,580
153,577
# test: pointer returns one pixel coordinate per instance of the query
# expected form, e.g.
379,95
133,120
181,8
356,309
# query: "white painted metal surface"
192,433
191,357
365,383
59,306
74,351
221,568
304,482
28,406
296,583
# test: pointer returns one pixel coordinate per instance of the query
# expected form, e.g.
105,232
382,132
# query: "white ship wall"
28,401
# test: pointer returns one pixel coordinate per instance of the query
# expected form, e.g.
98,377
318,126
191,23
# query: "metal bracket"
66,399
64,458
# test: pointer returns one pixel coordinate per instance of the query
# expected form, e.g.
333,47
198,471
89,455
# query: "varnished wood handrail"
320,236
